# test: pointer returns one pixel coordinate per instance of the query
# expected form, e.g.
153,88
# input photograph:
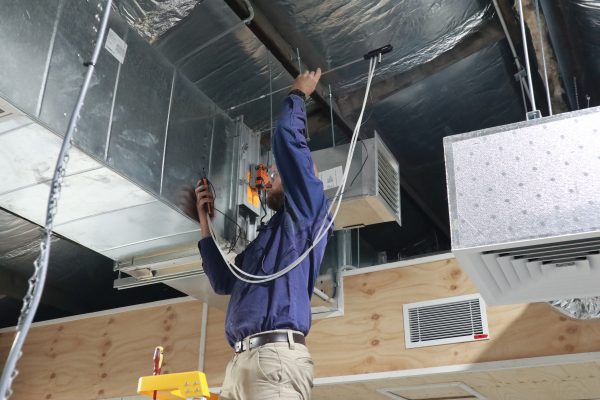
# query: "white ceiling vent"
435,391
443,321
524,204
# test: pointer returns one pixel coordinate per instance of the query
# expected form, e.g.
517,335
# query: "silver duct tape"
586,308
151,18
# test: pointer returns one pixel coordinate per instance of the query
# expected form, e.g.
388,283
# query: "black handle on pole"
382,50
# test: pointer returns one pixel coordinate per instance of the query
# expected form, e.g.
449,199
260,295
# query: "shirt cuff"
297,103
204,242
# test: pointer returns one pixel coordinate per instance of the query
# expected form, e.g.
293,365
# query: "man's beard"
275,201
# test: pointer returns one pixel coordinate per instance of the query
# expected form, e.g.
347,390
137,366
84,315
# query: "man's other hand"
203,197
307,82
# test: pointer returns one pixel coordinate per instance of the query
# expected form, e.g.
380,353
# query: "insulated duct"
332,33
145,136
584,308
152,18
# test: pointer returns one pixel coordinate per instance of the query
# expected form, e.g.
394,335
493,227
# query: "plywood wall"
103,357
370,336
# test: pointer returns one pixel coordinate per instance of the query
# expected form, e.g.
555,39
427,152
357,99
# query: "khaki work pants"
272,371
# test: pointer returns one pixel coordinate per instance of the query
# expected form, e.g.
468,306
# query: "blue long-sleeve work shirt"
285,302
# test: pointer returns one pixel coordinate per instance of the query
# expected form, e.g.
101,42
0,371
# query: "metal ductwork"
524,207
145,136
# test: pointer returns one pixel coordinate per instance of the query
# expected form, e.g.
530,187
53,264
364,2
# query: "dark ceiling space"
451,71
79,280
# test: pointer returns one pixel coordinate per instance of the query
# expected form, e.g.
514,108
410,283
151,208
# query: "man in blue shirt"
266,323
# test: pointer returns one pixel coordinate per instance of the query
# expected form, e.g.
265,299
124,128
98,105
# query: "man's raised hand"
307,82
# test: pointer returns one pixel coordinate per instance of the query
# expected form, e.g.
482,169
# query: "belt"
263,338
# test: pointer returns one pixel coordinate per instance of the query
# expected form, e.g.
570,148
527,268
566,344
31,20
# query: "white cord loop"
337,201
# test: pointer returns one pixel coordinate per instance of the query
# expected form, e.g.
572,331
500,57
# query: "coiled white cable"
251,278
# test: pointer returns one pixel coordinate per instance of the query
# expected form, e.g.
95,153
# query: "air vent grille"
522,267
388,182
443,321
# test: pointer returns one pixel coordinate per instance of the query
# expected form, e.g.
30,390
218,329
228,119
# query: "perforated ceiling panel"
530,180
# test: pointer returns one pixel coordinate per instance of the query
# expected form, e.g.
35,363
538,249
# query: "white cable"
527,65
513,51
237,272
32,299
539,26
321,234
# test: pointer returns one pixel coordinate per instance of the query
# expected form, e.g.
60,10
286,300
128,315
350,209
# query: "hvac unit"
372,192
524,204
444,321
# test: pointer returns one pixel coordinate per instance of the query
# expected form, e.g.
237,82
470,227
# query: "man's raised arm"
303,189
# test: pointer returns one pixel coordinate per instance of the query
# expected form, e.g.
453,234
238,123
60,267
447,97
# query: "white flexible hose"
238,272
33,296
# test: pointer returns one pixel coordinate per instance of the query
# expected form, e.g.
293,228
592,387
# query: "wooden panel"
103,357
566,382
364,210
370,336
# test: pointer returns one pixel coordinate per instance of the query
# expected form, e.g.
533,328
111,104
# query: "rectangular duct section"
372,193
145,136
524,205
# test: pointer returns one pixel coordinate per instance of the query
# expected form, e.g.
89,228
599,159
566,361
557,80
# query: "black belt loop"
261,339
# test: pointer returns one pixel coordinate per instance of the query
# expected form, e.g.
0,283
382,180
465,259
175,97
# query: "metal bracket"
535,114
522,74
